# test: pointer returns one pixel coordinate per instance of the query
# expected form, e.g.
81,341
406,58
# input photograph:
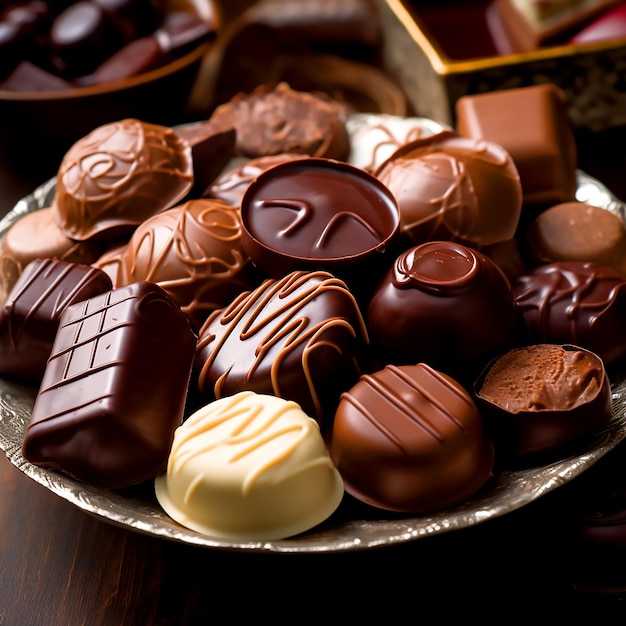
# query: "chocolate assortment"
303,287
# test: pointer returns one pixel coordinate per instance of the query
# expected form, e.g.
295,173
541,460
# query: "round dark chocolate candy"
543,398
456,188
410,439
300,337
316,213
576,303
444,304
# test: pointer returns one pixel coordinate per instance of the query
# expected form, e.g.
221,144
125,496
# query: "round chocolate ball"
444,304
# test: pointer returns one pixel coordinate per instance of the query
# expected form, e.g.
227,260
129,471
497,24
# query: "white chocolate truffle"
249,467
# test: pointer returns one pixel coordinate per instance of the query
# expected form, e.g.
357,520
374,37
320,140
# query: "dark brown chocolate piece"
319,214
456,188
29,77
531,124
410,439
212,148
118,175
30,315
194,251
114,388
300,337
273,121
574,302
443,304
543,398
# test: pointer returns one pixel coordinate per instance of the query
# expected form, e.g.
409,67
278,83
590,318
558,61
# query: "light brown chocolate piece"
577,231
117,176
531,124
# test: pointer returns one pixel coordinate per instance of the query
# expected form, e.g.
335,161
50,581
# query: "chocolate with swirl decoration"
300,337
455,188
574,302
194,252
117,176
114,388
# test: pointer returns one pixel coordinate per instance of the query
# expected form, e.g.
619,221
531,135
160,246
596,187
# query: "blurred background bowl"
38,127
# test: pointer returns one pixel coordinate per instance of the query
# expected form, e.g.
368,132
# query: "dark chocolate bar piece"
30,315
114,389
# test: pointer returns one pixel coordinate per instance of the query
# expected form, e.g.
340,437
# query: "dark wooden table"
62,567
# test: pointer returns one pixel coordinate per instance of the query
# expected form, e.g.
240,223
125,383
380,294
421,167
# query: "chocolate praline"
410,439
319,214
117,176
454,188
444,304
300,337
576,303
542,398
194,251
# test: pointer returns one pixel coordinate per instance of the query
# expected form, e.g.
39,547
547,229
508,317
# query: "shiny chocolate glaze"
442,303
455,188
410,439
194,252
118,175
319,214
300,337
114,388
29,318
577,303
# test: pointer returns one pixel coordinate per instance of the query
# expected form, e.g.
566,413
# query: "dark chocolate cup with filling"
543,401
320,214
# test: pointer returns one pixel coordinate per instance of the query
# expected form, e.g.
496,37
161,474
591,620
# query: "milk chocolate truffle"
410,439
444,304
280,119
319,214
543,398
114,388
531,124
36,235
249,467
194,251
577,231
301,337
30,316
117,176
457,188
574,302
232,183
